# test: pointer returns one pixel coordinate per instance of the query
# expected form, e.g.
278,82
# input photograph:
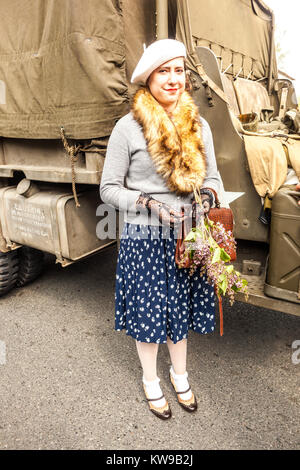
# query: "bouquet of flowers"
207,245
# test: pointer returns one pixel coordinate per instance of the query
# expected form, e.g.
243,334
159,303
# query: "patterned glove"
208,199
197,212
165,214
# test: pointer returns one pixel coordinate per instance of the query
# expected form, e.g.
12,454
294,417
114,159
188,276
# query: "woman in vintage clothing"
156,155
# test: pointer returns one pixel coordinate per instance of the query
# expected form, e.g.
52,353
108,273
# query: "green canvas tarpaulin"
237,31
65,63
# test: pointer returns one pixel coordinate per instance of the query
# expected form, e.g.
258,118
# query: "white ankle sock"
182,384
153,390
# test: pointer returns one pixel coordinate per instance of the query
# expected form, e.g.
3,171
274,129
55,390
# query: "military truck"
65,73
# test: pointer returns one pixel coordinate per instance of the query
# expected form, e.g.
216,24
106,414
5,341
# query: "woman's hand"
207,198
206,204
197,212
165,214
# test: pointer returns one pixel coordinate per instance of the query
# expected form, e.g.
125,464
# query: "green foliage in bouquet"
207,246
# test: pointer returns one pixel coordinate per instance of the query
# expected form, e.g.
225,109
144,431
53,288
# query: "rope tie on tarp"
72,151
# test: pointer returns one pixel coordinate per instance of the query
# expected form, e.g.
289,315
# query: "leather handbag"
224,216
220,214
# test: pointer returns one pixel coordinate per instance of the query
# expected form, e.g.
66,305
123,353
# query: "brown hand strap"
216,197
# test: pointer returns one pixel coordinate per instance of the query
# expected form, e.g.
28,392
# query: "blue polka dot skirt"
154,298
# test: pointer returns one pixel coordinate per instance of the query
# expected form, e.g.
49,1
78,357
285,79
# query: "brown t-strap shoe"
189,405
163,412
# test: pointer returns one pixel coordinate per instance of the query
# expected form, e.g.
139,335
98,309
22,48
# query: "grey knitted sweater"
128,170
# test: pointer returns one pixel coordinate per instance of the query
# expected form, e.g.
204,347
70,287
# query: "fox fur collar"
175,144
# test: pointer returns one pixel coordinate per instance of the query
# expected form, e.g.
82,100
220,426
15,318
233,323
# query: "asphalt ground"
69,381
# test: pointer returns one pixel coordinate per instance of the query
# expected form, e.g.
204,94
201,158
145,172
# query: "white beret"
157,53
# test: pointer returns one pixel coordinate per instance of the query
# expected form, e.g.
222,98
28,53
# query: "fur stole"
175,144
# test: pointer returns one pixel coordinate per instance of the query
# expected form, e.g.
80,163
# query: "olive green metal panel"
257,297
255,255
231,156
46,160
283,278
50,221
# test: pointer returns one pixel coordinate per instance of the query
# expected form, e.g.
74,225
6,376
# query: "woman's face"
167,83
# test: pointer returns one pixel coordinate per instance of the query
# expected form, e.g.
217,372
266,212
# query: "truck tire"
31,263
9,267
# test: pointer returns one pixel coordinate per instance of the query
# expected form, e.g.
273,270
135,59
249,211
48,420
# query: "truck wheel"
31,263
9,267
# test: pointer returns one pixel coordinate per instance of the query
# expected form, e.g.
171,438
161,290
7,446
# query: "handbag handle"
198,199
217,201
